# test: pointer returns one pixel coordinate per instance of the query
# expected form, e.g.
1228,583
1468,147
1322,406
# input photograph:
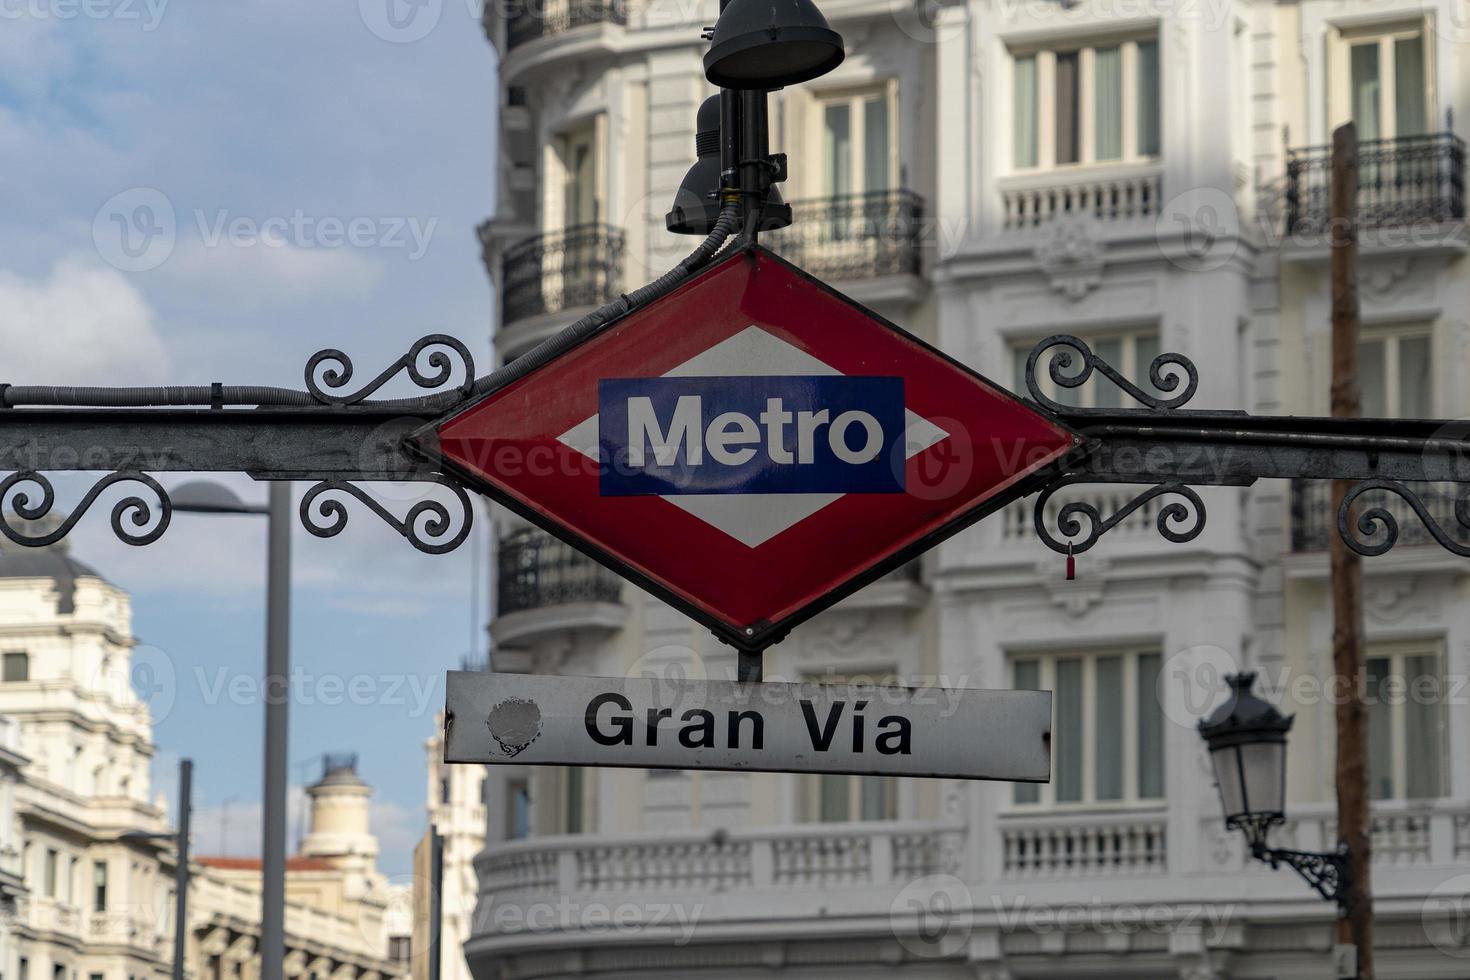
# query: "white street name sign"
649,722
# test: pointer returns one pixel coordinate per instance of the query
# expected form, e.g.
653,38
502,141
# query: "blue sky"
289,176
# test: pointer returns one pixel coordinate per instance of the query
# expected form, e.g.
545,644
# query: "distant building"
456,805
75,748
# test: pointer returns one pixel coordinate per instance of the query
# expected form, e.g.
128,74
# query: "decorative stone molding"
1071,255
1385,278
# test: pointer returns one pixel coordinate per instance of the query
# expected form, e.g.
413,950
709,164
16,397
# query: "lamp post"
181,867
1247,742
203,497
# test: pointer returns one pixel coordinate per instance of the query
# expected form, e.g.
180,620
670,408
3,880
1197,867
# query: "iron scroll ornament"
131,509
1056,368
428,526
1376,520
439,363
1175,521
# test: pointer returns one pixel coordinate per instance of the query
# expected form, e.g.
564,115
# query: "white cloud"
82,324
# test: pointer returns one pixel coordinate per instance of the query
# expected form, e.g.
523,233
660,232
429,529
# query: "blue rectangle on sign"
751,434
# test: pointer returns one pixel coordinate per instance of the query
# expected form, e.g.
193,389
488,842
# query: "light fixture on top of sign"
769,44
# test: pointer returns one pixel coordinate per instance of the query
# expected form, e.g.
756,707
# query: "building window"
99,886
1085,104
574,800
1129,352
1382,82
577,156
858,149
834,798
1107,736
16,667
517,809
49,878
1406,738
444,791
1394,373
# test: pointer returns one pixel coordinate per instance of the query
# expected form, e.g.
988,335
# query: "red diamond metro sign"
751,447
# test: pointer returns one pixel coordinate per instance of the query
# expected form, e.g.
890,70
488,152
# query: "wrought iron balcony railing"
581,266
855,236
536,570
530,19
1314,523
1405,181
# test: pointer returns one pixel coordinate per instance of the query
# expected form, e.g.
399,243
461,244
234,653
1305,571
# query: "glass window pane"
876,794
834,798
1023,112
1108,729
574,800
875,145
1108,103
1148,98
1104,393
1422,726
1380,731
839,149
1067,725
1066,116
1150,728
1371,379
1363,65
1145,349
1416,390
1408,86
1027,678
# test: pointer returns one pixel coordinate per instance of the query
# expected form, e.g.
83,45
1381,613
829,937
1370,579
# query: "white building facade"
1150,178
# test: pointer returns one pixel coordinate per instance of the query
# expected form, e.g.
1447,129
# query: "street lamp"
697,203
181,867
1247,743
769,44
203,497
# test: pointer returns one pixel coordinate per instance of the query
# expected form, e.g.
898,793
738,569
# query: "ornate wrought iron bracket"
1176,521
338,441
1328,873
1379,521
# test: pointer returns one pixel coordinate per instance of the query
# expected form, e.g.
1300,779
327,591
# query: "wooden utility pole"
1353,821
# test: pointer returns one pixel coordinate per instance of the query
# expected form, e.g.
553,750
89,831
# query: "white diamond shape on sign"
755,518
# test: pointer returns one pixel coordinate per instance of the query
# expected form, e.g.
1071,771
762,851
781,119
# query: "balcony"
1404,182
1104,193
547,277
529,20
1314,522
543,586
1079,845
857,868
871,241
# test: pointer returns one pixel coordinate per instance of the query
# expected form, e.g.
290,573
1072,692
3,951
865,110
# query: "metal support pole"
754,148
749,667
1356,925
277,705
436,903
181,870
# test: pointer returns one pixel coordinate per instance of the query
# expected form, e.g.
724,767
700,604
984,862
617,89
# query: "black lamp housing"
697,202
1247,742
769,44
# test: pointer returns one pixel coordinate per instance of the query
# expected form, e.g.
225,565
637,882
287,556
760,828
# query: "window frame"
1391,335
1045,114
1397,654
812,783
1385,32
8,657
812,107
1046,663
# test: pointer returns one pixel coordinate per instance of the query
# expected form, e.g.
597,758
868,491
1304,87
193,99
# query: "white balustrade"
1073,845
